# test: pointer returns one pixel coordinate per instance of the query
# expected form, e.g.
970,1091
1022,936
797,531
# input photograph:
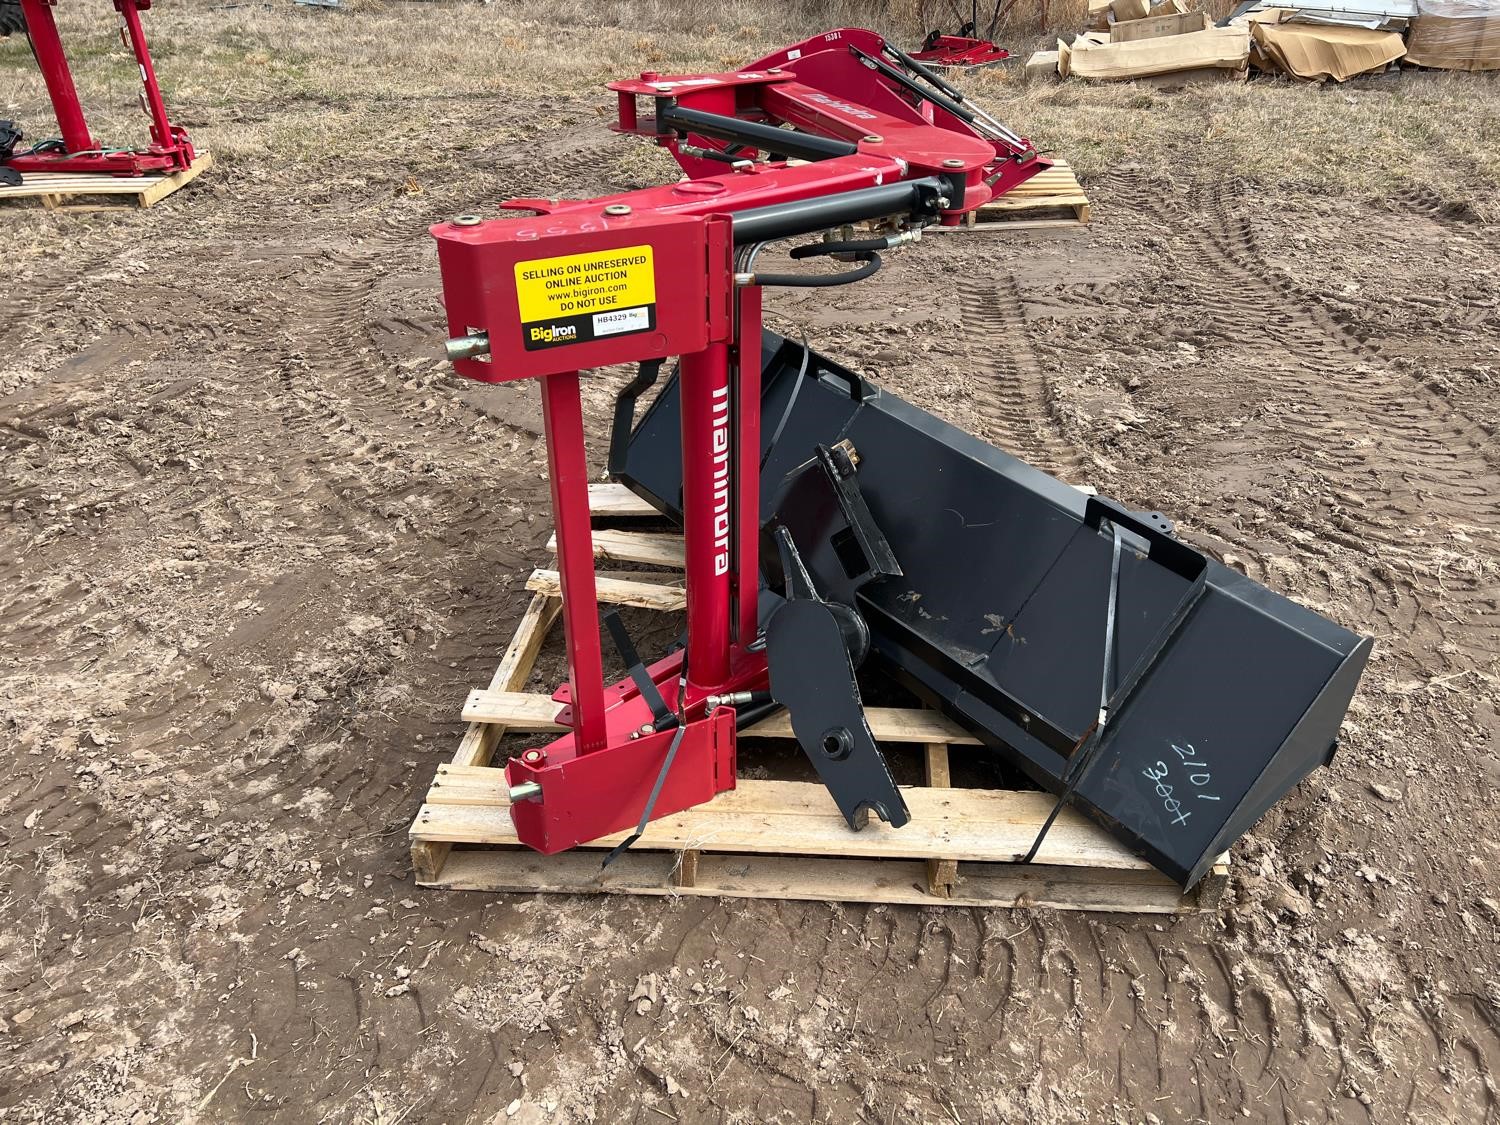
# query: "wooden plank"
55,188
516,710
938,775
686,872
887,724
477,746
1012,202
533,711
611,498
820,880
616,591
655,548
1011,226
156,193
479,741
942,874
995,826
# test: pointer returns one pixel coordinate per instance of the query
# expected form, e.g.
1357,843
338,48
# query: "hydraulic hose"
822,280
847,246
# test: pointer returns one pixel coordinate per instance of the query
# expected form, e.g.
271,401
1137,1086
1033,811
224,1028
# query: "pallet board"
770,838
73,191
1055,194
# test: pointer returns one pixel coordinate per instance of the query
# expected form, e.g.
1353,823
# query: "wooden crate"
770,839
73,191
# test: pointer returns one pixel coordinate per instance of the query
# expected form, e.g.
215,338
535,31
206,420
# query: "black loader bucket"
1168,697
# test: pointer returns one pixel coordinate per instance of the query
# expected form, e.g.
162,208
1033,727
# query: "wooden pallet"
770,839
1049,199
73,191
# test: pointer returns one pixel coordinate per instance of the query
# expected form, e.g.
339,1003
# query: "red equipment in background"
832,131
77,151
965,48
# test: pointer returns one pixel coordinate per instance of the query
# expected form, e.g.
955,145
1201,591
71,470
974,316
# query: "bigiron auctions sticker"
578,297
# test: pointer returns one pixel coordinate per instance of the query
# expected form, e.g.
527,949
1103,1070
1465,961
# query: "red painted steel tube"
135,35
747,463
707,494
562,420
42,29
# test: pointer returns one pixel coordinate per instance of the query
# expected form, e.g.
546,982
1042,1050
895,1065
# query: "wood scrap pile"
1168,43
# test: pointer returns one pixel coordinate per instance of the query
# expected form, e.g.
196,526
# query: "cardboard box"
1180,79
1155,27
1225,47
1124,10
1043,64
1319,51
1456,37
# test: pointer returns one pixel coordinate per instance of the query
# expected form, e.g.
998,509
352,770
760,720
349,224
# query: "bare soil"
257,544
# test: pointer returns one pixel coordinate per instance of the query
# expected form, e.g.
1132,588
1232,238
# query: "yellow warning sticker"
585,283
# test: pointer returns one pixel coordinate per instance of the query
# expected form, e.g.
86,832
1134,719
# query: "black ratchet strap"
661,714
666,766
661,779
1088,746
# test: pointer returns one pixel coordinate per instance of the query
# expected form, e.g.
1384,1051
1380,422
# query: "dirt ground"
258,544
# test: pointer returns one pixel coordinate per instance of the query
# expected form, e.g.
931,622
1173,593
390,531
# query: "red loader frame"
666,271
170,149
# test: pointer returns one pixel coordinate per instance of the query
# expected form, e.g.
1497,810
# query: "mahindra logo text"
842,107
721,480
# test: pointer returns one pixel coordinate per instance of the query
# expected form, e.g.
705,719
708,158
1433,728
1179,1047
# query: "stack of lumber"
1168,43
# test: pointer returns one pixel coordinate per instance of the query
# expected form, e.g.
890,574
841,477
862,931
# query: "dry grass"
261,82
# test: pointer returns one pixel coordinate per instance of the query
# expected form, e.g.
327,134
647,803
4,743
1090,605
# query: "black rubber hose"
848,246
822,280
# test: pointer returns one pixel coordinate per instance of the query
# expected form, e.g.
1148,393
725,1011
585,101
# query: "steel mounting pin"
617,209
873,138
471,346
467,220
953,162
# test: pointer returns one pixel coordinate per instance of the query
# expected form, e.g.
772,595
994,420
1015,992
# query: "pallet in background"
74,191
771,839
1052,198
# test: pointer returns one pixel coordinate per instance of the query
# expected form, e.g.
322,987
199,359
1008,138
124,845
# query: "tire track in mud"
1392,470
1179,1011
1395,466
1010,391
336,455
1435,467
